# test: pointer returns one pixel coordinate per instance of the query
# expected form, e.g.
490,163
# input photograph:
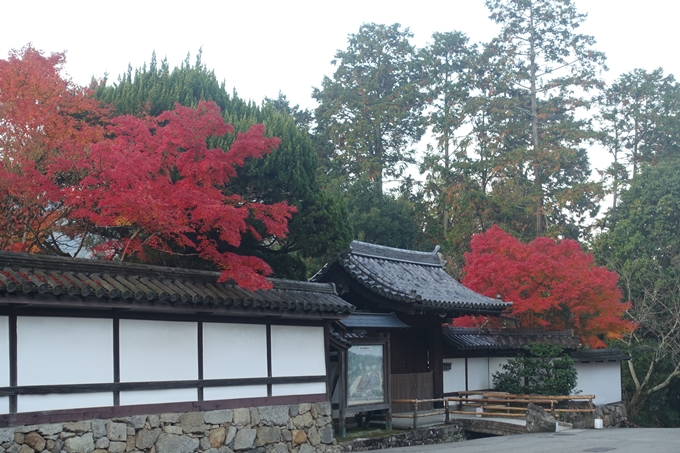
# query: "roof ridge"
395,254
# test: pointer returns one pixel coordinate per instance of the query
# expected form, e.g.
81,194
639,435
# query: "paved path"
624,440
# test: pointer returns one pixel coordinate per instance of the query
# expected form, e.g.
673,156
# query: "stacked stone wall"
297,428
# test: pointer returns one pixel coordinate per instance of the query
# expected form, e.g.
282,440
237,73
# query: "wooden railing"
417,414
493,404
499,404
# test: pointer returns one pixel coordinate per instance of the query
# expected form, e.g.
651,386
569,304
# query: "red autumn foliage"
552,285
157,183
46,123
130,184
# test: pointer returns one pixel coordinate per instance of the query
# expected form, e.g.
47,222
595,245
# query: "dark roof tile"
472,339
97,281
410,277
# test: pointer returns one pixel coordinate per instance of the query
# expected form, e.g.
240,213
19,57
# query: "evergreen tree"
553,66
370,110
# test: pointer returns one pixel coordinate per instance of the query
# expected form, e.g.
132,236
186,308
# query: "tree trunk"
538,174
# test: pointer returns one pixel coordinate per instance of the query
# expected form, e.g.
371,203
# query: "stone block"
278,448
170,418
304,420
267,435
98,428
78,427
293,410
245,438
170,429
117,447
145,438
538,421
304,408
286,435
313,436
217,436
51,429
323,420
154,421
35,441
14,448
79,444
6,435
103,443
219,417
327,434
137,421
171,443
19,437
204,443
26,449
323,409
231,433
192,422
299,437
241,417
274,415
130,443
116,432
254,416
306,448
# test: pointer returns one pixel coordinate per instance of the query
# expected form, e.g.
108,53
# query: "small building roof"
599,355
59,281
363,320
409,278
473,339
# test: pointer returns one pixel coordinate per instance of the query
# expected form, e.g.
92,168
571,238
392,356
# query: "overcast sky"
261,48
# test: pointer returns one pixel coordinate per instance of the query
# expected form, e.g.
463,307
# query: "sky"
261,48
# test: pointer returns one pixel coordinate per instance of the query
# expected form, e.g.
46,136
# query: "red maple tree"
46,123
69,173
551,285
156,183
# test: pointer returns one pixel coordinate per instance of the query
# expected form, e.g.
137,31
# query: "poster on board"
365,375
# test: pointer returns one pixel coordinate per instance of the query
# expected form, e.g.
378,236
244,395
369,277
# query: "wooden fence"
492,404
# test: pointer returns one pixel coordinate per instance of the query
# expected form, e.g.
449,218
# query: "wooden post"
342,393
415,414
447,411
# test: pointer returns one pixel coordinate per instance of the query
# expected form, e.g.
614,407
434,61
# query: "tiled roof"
599,355
472,339
364,320
410,277
95,282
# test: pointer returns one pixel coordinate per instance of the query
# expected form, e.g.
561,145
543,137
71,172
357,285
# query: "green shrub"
544,369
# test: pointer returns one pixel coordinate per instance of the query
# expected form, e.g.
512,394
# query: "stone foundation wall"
612,415
297,428
421,436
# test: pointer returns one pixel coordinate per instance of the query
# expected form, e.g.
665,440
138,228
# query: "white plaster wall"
157,396
298,389
495,364
158,351
602,379
298,351
4,405
234,351
478,373
454,379
64,351
33,403
241,391
4,358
